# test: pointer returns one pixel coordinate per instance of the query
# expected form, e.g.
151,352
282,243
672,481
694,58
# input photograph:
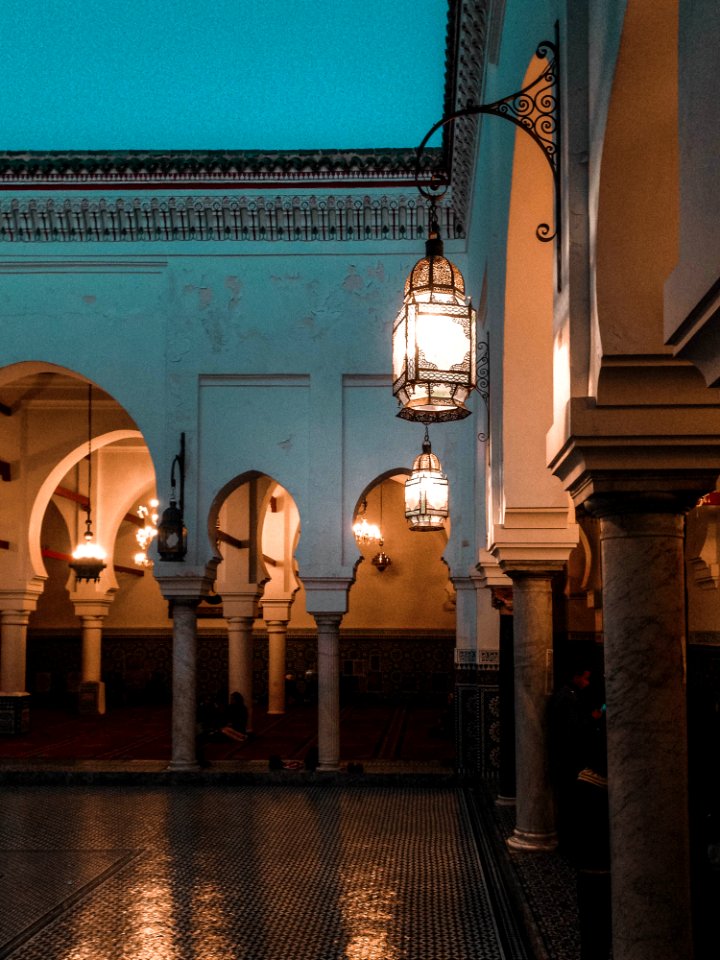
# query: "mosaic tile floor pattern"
252,872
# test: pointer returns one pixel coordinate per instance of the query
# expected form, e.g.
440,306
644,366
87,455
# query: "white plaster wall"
275,360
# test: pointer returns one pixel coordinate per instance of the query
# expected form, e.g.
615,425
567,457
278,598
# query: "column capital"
532,569
328,619
91,611
489,572
632,502
276,610
21,599
327,595
240,604
184,587
18,618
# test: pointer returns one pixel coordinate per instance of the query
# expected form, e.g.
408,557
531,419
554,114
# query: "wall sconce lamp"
171,534
434,340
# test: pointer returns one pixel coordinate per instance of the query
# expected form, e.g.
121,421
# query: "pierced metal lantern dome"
426,492
434,363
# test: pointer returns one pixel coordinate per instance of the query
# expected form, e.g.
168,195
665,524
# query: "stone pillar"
91,608
533,645
15,609
466,693
184,706
92,689
328,625
240,661
276,614
644,617
506,773
277,641
13,629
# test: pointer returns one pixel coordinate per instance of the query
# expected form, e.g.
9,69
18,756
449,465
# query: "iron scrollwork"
536,110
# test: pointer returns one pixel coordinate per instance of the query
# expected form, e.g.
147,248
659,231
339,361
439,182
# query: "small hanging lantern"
171,532
426,492
88,557
381,560
434,363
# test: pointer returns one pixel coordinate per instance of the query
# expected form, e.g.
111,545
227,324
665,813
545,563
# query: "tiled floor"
248,872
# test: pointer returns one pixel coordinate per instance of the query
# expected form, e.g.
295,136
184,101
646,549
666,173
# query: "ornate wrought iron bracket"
483,380
534,109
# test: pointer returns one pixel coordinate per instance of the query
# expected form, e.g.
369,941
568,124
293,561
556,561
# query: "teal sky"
220,74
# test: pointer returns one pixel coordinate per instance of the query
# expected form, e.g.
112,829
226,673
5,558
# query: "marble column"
91,607
506,773
644,617
184,705
328,625
533,645
277,642
13,637
240,661
91,659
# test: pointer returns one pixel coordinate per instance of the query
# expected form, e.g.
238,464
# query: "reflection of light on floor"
209,921
368,911
150,921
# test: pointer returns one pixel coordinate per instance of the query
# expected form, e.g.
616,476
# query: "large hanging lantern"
434,363
426,492
88,560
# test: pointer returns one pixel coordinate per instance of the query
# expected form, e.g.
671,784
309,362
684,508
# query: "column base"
501,801
14,713
328,767
532,842
91,697
276,713
179,765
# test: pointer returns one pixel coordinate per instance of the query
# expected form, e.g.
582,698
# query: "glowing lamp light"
145,535
426,492
89,557
434,361
363,531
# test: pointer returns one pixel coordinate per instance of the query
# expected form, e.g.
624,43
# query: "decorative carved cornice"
198,169
286,218
327,214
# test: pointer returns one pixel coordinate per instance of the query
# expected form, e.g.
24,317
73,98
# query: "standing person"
237,718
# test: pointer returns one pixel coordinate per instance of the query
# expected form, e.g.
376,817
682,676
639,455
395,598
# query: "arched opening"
77,647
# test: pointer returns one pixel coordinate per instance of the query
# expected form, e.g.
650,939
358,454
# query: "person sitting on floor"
237,718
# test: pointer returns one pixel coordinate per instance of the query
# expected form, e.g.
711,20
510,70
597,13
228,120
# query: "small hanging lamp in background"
172,535
88,557
426,491
381,560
